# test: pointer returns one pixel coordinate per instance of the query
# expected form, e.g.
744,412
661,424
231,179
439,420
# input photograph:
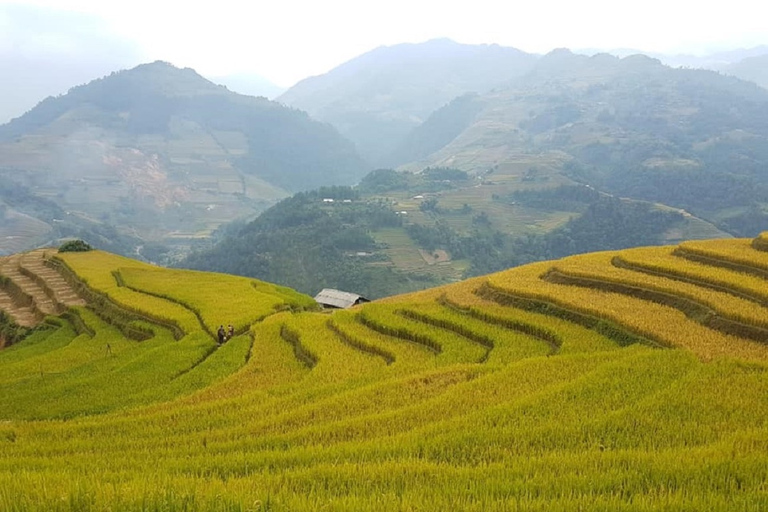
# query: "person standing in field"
230,332
222,334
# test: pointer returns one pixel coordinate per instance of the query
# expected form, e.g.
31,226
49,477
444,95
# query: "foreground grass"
507,392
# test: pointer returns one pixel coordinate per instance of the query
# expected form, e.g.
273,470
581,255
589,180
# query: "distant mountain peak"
641,59
158,63
161,77
562,64
559,52
377,98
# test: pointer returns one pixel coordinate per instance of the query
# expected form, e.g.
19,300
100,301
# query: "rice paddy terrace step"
10,268
63,293
36,290
22,315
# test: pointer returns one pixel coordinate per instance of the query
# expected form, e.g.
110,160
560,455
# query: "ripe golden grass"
217,298
737,251
599,266
556,416
573,338
654,321
662,260
96,269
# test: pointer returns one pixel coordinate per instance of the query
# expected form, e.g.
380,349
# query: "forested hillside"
308,244
399,232
578,154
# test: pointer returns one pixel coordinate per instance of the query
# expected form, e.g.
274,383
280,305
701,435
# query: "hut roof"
338,298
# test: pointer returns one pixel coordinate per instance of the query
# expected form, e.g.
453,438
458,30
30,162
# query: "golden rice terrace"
634,380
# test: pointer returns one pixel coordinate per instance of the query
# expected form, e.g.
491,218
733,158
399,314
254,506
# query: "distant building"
331,298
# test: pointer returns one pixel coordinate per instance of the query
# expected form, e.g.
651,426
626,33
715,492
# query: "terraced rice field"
626,380
19,231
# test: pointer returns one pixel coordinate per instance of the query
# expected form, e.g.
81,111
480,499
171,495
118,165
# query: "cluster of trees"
308,243
703,192
75,246
323,238
572,198
431,179
608,223
723,187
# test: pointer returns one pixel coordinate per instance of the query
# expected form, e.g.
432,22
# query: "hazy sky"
286,40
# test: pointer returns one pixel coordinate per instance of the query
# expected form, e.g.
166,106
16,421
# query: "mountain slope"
580,154
163,150
399,232
753,69
438,130
688,138
375,99
545,387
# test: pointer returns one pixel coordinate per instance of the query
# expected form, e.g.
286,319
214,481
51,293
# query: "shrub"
75,246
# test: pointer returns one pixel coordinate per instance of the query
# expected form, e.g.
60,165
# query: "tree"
429,205
75,246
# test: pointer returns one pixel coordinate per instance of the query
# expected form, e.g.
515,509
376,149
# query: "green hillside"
576,154
628,380
164,151
398,232
691,139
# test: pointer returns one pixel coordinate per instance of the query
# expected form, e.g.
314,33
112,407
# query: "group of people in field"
225,334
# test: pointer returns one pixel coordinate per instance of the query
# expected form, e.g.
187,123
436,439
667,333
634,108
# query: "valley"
380,237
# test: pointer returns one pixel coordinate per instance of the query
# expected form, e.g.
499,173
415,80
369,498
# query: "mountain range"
249,84
377,98
690,138
715,61
157,154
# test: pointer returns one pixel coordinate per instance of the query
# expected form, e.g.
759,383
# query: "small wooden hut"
330,298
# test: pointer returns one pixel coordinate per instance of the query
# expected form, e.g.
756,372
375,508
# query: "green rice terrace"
632,380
